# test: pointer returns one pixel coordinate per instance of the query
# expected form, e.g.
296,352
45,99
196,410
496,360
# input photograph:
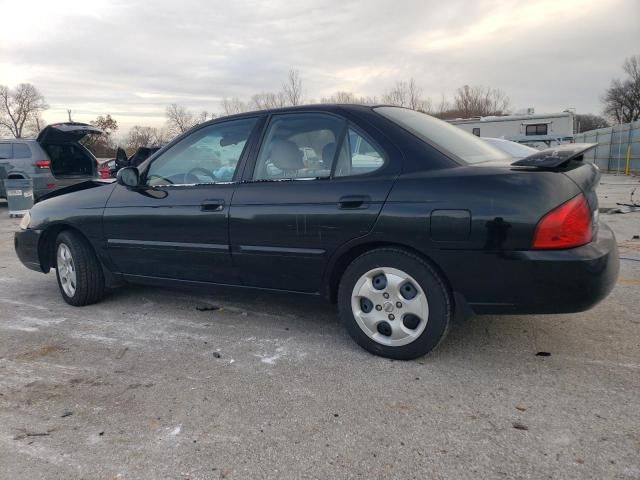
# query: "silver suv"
55,159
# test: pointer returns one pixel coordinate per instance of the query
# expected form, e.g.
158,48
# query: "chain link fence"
615,145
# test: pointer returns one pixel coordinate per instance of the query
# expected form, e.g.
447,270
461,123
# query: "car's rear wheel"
394,304
78,270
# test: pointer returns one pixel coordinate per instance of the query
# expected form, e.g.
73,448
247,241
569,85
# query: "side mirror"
128,177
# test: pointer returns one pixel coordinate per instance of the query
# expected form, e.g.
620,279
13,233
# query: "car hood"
66,132
77,187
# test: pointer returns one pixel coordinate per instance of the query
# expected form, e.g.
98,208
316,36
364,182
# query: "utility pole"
69,114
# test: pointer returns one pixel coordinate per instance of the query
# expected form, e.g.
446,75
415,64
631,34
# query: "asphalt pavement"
164,384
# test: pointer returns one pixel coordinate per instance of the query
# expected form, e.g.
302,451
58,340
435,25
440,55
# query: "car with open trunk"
55,159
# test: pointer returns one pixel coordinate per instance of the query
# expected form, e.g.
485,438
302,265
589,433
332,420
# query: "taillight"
566,226
43,163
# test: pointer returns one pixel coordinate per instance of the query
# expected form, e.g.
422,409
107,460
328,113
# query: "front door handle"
216,205
353,202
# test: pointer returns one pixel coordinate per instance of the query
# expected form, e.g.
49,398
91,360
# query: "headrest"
286,155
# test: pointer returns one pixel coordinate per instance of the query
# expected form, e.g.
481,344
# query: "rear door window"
20,150
299,145
6,150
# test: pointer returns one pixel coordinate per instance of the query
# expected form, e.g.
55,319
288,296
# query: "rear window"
460,145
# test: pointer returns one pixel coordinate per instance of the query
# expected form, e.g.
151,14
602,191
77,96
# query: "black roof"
317,107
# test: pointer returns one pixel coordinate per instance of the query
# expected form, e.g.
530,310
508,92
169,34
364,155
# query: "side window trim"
241,160
364,136
344,137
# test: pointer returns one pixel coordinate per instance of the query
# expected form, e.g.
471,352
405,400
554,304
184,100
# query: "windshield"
452,140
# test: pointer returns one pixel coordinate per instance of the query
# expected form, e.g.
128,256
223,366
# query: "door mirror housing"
128,177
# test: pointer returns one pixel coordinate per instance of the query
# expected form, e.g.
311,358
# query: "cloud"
132,58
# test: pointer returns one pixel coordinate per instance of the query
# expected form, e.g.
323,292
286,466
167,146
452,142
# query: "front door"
175,225
318,182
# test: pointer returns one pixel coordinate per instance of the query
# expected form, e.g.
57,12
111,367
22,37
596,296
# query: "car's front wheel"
78,270
394,304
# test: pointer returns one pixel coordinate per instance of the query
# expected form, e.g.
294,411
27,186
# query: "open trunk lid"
66,132
70,160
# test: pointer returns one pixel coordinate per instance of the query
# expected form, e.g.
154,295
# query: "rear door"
175,225
305,194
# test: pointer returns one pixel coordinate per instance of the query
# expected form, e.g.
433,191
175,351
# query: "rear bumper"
26,244
537,281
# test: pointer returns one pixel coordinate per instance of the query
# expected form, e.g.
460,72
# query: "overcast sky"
132,58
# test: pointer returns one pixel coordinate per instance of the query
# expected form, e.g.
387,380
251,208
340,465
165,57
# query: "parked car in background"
55,159
110,168
402,219
105,167
516,151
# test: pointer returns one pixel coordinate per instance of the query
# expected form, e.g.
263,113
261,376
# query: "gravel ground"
145,385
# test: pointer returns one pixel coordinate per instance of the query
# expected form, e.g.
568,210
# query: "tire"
88,284
394,326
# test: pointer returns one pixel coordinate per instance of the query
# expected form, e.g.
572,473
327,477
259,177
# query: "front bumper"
537,281
26,244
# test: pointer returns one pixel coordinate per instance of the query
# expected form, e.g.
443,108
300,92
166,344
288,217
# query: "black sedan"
402,219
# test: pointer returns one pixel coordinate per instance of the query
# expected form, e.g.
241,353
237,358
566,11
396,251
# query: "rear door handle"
353,202
216,205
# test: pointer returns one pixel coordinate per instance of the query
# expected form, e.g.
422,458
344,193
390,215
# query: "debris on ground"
24,433
121,353
68,413
543,354
520,426
217,355
522,407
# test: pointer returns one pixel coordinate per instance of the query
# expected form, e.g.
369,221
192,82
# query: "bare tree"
140,136
179,119
19,106
231,106
34,125
292,88
267,100
443,106
409,95
398,95
588,121
622,98
342,96
479,101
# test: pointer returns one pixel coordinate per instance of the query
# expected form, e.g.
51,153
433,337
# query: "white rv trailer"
541,130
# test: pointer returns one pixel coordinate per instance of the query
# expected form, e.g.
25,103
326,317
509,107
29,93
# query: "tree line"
21,108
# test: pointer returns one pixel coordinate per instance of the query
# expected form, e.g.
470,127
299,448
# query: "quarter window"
301,145
209,155
6,150
20,150
357,156
536,129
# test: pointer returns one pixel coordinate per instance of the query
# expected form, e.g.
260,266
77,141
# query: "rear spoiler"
555,156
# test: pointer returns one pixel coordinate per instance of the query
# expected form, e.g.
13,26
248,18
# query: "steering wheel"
193,174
